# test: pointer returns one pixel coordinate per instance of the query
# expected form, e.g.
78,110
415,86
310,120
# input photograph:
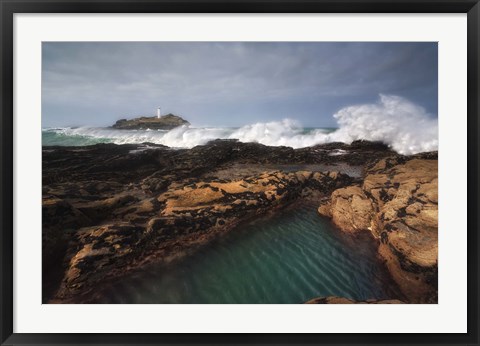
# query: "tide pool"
291,257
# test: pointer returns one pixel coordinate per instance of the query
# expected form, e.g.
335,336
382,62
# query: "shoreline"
123,201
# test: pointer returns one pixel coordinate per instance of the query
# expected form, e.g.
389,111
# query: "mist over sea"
406,127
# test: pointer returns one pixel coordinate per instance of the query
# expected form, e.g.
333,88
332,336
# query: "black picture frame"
10,7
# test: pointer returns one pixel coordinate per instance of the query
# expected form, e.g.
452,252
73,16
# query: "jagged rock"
118,207
398,203
189,213
59,219
98,252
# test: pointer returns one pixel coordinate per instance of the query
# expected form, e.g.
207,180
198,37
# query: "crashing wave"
406,127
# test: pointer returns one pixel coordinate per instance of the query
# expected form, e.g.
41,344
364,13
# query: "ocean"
274,134
403,137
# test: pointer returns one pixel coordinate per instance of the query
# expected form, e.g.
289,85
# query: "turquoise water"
52,137
291,258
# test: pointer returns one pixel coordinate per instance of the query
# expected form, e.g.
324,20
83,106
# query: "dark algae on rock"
109,209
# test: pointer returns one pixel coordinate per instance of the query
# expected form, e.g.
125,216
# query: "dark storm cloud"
229,84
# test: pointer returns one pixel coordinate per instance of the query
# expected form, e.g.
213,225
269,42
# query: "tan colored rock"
98,248
398,202
189,198
188,214
418,284
303,175
325,210
350,209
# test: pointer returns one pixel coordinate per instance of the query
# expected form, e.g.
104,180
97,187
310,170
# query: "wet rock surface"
110,208
398,203
187,214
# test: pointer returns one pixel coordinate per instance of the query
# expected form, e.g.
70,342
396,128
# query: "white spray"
405,127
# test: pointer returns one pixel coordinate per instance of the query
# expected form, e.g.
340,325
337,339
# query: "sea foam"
401,124
406,127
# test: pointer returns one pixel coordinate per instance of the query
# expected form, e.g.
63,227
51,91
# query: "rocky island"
109,209
164,122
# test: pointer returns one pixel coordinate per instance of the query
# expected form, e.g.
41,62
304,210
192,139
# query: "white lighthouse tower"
159,112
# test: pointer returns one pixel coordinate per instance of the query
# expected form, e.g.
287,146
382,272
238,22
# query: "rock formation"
398,202
188,214
108,209
166,122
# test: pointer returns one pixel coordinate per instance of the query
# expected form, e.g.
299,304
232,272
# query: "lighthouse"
159,112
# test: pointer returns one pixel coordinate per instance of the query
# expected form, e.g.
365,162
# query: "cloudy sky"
229,83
